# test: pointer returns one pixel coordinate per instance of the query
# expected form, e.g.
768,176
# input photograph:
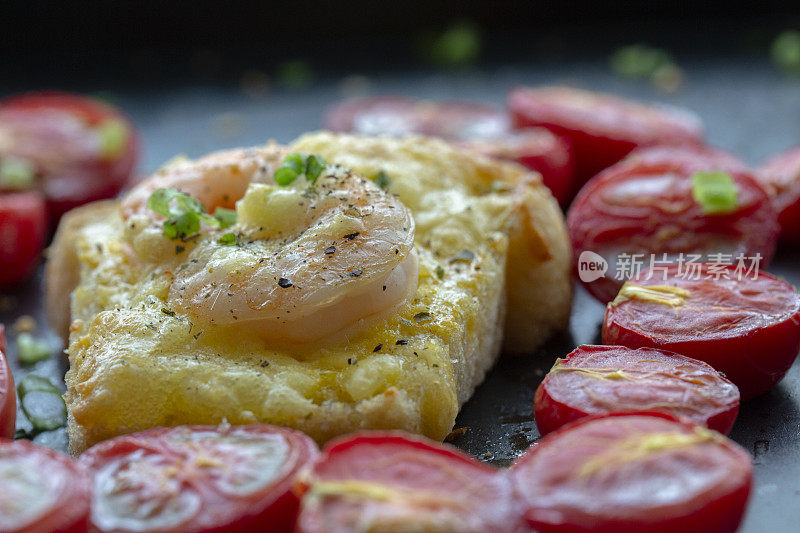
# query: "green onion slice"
16,173
715,192
42,403
32,350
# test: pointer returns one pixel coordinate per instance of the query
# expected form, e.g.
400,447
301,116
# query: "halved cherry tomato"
78,149
781,177
645,205
391,481
198,478
637,473
482,127
601,128
746,324
23,226
41,490
595,380
8,394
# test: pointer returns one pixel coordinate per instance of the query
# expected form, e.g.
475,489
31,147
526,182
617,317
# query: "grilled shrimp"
308,259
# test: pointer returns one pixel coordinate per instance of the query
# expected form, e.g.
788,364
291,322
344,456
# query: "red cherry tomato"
645,205
390,481
23,226
42,490
481,127
781,177
198,478
79,149
8,394
637,473
596,380
601,128
746,326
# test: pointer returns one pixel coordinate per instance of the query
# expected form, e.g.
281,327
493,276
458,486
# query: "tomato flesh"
198,478
645,205
42,490
635,472
746,326
23,226
594,380
479,127
8,394
602,129
781,177
60,135
391,481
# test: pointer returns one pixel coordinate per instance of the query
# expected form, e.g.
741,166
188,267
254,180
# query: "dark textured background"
181,71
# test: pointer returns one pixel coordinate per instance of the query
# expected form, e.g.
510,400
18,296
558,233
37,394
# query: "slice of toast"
484,230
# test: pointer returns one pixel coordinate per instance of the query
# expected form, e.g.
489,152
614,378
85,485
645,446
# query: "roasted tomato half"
41,490
637,473
745,323
594,380
661,206
601,128
72,148
391,481
198,478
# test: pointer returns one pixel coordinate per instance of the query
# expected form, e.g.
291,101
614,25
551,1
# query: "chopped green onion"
381,179
785,52
113,135
226,217
185,214
229,239
285,175
715,192
639,61
42,403
16,173
296,165
32,350
314,166
440,272
458,45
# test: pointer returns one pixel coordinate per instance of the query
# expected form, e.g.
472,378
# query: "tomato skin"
755,354
480,127
560,498
780,175
601,128
23,226
8,394
568,393
77,174
667,220
274,507
67,479
406,466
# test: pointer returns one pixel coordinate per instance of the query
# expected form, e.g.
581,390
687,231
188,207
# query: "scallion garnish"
16,173
185,214
229,239
296,165
715,192
381,179
113,135
42,403
32,350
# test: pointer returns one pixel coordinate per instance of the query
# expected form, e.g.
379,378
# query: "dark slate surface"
748,107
